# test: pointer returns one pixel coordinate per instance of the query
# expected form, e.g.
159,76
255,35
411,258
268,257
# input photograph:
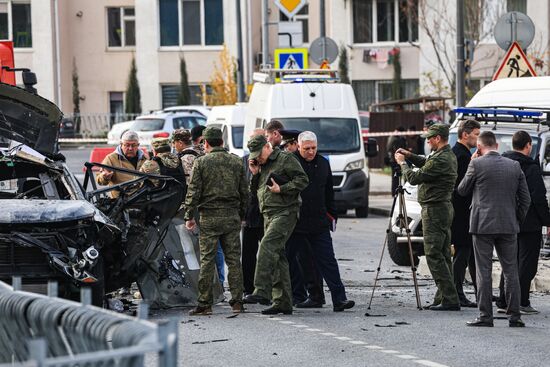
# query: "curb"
379,211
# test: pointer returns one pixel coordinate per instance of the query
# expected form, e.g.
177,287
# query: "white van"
314,100
230,119
503,107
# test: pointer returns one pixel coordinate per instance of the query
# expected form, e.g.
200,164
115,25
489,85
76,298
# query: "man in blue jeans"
317,217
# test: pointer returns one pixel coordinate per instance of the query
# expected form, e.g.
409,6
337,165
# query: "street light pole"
460,93
240,83
322,26
265,35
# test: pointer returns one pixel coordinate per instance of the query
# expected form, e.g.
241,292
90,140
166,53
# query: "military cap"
158,143
255,145
212,132
289,136
181,135
437,129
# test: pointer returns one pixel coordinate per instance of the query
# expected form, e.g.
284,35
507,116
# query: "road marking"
357,342
300,326
373,347
429,363
287,322
406,356
344,338
389,351
314,330
328,334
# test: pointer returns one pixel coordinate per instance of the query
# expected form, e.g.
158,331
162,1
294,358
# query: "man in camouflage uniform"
218,188
163,162
436,177
181,140
278,180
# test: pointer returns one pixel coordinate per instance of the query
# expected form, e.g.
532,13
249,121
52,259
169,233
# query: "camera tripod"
403,221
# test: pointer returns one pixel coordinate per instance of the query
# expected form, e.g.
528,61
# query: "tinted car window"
364,122
504,141
334,135
184,122
148,124
237,134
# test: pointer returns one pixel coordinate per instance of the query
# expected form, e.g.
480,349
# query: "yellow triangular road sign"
514,64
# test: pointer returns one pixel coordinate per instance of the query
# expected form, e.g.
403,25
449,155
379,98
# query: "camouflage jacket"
218,185
436,177
286,166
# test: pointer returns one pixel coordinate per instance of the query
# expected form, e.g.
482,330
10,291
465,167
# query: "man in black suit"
317,216
468,132
530,233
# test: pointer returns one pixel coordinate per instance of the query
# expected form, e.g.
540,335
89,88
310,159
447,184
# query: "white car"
114,135
202,110
161,125
230,120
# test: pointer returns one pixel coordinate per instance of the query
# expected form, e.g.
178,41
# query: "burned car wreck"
53,227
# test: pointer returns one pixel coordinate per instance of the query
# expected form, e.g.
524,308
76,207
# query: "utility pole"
460,93
265,33
240,83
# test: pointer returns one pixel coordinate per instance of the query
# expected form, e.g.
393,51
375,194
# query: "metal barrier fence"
38,330
95,125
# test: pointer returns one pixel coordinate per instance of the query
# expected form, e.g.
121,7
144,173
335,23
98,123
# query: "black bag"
279,179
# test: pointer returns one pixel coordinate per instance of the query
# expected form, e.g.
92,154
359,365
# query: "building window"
191,22
170,94
385,21
517,5
15,23
121,23
368,92
301,16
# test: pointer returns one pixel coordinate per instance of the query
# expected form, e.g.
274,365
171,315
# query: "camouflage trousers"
226,230
436,226
272,278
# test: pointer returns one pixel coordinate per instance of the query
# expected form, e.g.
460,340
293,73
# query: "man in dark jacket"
468,133
315,221
538,215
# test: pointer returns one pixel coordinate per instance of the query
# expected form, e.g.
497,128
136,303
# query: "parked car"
230,119
52,227
67,128
364,117
526,102
201,110
114,135
161,125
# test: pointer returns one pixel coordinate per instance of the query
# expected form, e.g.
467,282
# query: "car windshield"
148,124
504,141
334,135
237,135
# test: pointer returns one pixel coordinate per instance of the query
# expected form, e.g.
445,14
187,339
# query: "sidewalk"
380,198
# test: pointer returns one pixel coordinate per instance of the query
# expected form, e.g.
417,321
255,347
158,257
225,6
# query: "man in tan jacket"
127,155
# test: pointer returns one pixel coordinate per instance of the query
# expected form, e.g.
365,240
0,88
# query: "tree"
396,83
184,97
343,65
223,85
133,96
76,97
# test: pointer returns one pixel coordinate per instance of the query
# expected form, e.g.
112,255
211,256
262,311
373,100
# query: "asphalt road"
396,333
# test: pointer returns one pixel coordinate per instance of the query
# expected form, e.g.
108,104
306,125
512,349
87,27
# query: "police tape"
82,140
392,133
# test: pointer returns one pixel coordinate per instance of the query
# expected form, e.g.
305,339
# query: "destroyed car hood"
29,119
15,211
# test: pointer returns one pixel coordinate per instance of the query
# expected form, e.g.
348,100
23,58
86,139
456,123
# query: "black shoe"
516,323
345,305
445,307
479,322
467,303
254,298
309,303
275,310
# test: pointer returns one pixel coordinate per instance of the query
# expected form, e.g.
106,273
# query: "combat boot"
201,311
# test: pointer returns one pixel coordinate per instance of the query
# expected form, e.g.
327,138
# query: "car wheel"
399,252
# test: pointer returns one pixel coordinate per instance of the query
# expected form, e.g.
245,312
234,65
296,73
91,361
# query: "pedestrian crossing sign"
514,64
291,58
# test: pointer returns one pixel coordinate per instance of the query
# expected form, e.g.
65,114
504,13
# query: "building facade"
97,40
